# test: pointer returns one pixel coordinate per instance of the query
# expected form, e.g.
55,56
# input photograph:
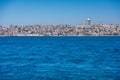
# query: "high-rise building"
88,21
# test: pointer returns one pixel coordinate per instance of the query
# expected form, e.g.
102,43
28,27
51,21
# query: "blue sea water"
60,58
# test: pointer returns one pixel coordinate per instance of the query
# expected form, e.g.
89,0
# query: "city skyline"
24,12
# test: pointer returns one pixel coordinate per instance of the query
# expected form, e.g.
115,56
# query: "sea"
60,58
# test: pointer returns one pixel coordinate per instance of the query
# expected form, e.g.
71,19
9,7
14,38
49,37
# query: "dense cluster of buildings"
60,30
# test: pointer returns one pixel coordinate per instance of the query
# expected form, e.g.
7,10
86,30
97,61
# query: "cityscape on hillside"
61,30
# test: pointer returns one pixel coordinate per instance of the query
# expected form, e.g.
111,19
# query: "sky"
30,12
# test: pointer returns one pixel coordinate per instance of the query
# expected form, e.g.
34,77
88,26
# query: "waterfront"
61,30
60,58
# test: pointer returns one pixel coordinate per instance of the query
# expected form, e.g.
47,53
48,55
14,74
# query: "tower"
88,21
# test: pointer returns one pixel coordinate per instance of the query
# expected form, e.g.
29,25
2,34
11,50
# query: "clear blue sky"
23,12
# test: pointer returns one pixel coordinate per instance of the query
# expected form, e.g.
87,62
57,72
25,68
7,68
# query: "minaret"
88,21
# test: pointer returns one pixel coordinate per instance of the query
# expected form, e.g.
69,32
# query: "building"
88,21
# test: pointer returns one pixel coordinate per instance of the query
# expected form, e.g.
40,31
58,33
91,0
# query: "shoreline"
69,36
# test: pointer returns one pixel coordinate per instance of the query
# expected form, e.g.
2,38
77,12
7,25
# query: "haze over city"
30,12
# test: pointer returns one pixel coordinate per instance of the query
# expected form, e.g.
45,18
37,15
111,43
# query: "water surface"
60,58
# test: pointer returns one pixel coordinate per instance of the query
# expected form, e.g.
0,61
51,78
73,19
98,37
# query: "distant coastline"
69,36
61,30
